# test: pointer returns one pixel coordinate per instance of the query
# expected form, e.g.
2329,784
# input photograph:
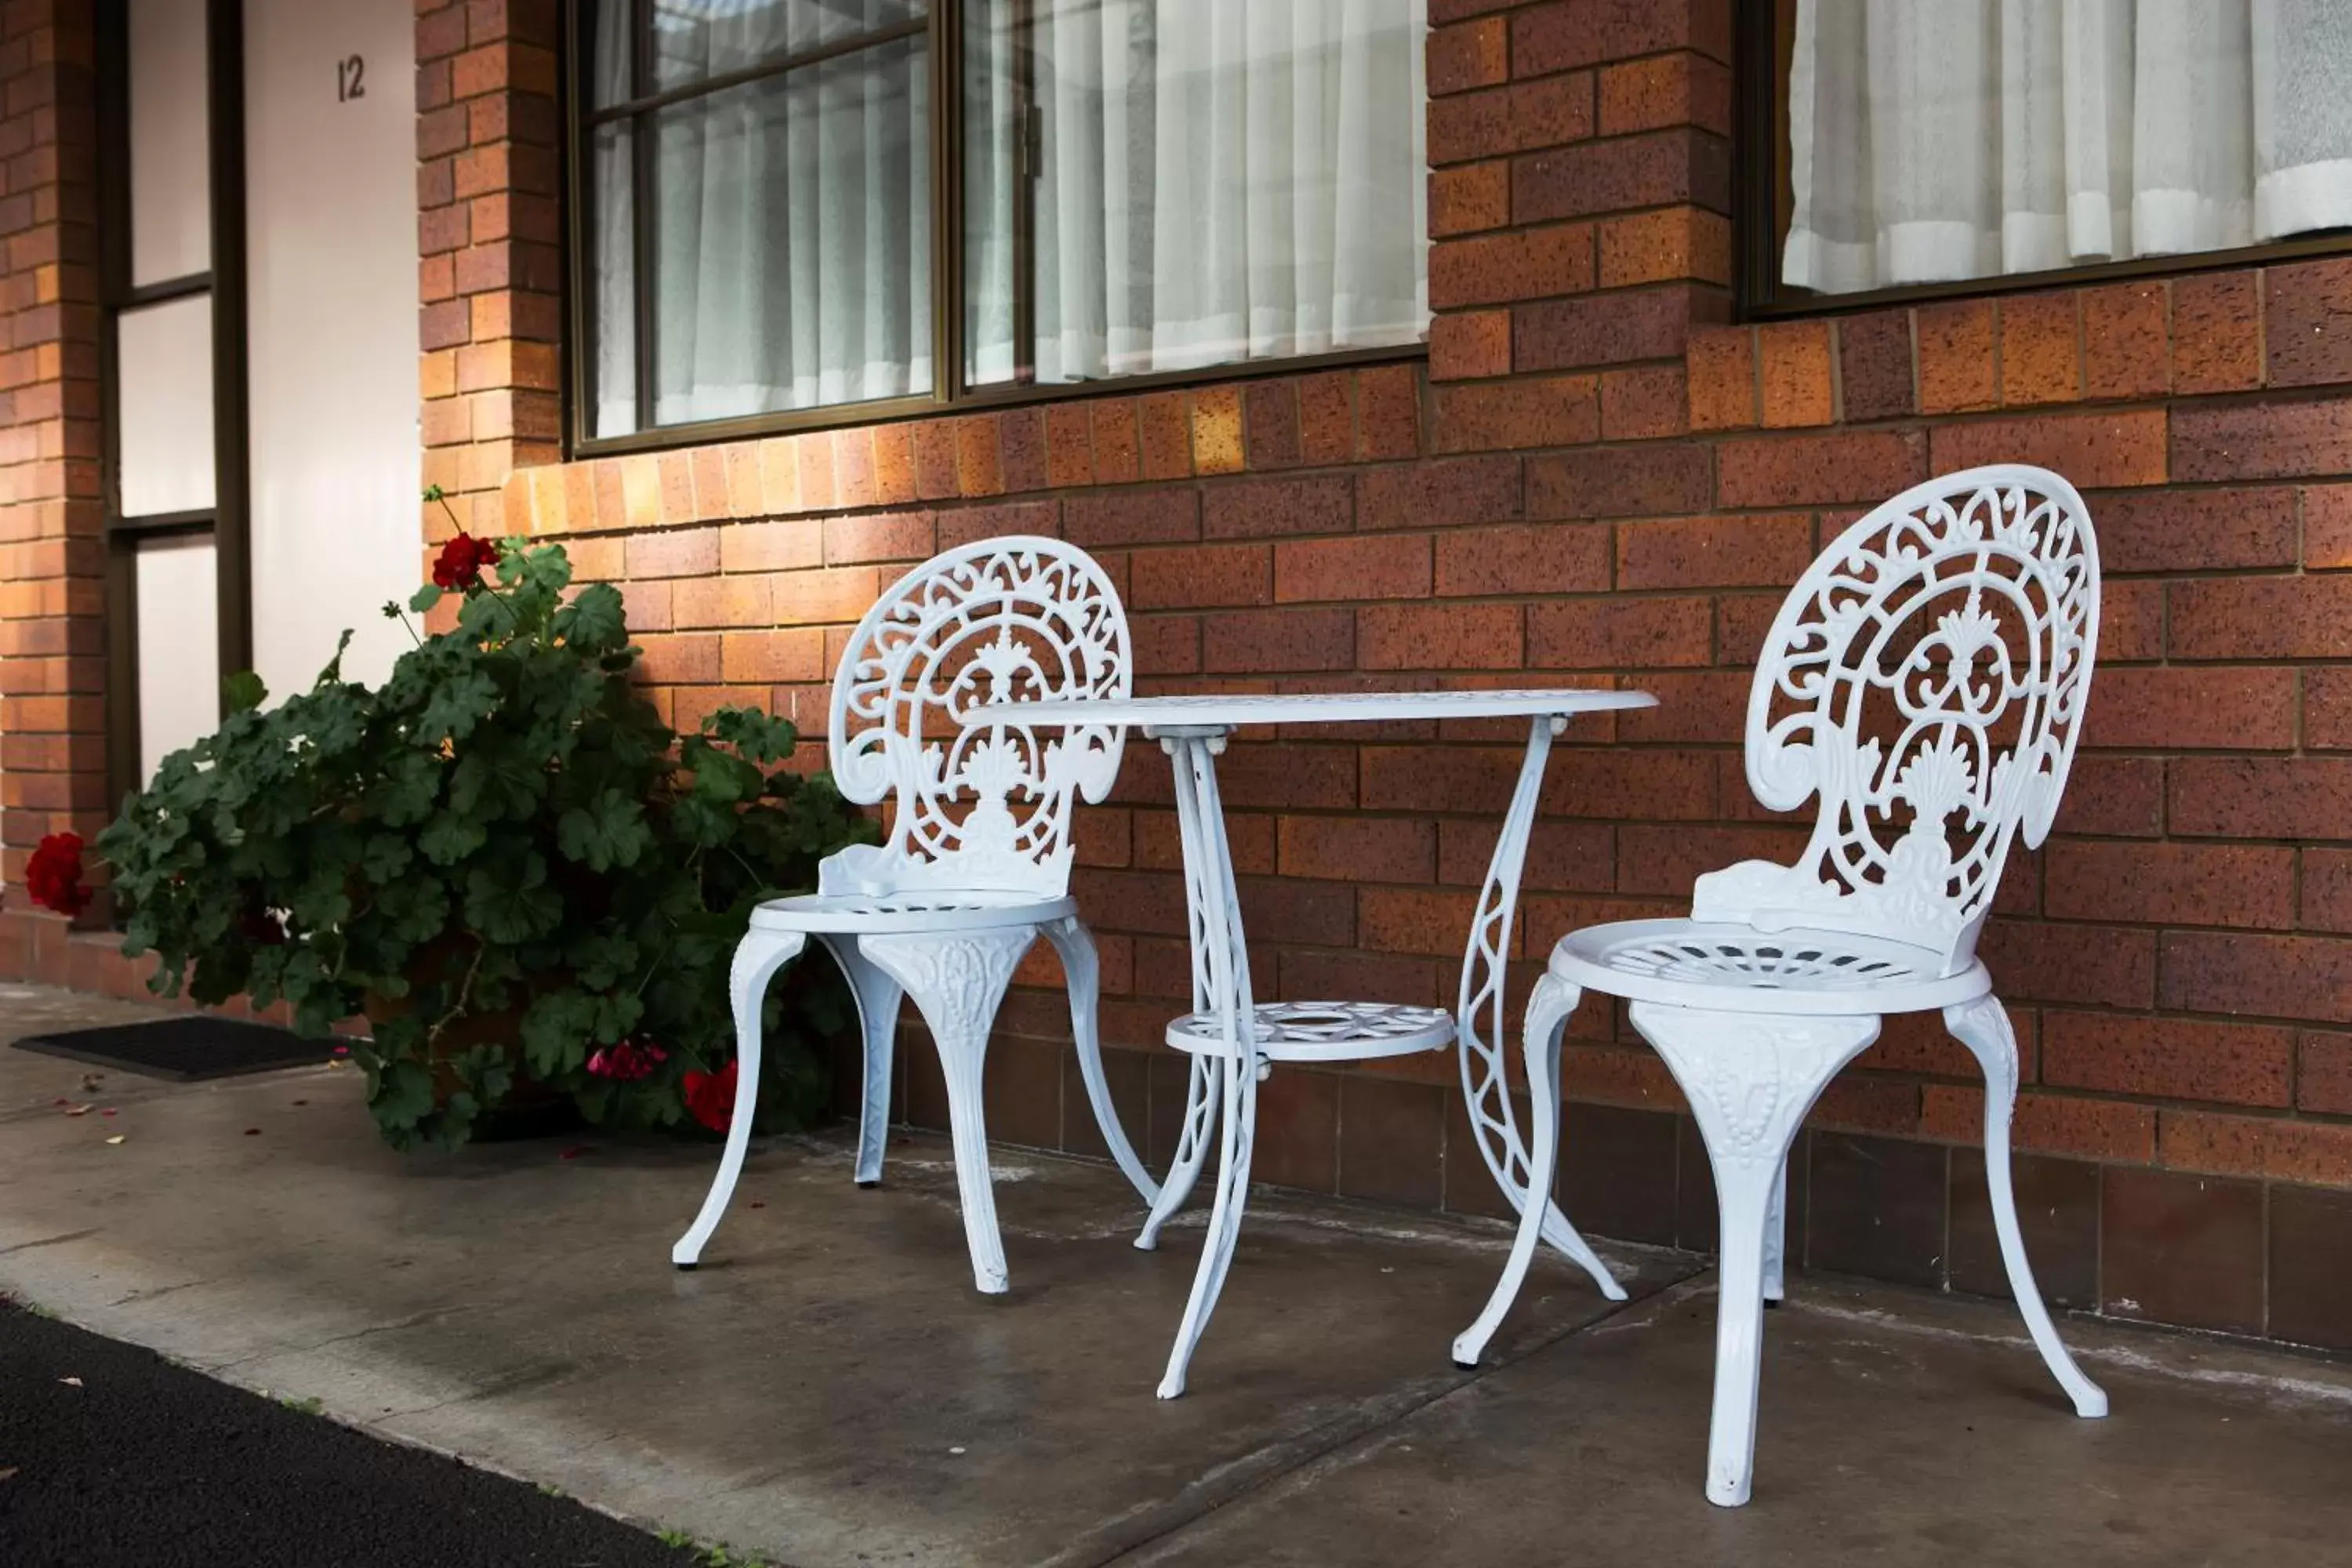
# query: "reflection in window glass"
1158,186
1936,141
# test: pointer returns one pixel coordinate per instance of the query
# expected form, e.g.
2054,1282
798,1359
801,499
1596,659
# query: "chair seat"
1324,1031
1739,969
933,910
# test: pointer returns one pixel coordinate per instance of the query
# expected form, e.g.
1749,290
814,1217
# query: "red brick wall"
1594,477
52,521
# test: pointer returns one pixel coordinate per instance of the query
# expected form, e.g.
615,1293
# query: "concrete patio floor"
828,1389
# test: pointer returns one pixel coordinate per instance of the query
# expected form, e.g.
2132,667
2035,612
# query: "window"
1939,143
1141,187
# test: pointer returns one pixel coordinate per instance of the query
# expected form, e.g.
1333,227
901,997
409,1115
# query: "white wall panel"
164,409
179,647
171,185
331,200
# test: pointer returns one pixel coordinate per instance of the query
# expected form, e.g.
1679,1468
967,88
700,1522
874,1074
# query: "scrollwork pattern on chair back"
1926,678
1018,619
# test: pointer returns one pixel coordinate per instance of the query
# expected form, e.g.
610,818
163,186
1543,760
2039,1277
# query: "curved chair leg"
757,958
1549,1006
1083,974
1984,1027
1776,1238
1204,1096
1750,1079
1240,1081
957,981
877,996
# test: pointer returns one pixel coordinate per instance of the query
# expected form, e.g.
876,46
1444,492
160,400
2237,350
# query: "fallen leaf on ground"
108,1112
301,1103
253,1133
116,1139
576,1153
70,1382
7,1471
78,1109
759,1206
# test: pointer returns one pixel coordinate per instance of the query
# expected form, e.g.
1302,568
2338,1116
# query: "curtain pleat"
1934,140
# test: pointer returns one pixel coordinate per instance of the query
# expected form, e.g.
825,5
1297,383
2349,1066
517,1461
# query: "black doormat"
186,1050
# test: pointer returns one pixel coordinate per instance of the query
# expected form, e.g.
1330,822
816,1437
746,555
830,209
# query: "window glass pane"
179,646
164,355
1159,187
1976,138
697,39
790,237
171,181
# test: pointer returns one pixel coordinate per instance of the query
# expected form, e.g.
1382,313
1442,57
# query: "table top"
1230,709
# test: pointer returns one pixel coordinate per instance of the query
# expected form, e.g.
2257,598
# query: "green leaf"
424,598
556,1032
512,907
459,703
594,620
496,782
609,831
449,838
242,692
386,857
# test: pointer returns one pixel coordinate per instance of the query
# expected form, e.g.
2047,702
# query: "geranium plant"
502,856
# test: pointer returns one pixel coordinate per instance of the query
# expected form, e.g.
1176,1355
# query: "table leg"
1220,986
1486,1088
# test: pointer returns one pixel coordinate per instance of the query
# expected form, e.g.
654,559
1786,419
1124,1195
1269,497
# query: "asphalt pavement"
110,1454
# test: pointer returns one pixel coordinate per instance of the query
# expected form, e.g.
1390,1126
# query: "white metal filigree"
1324,1031
978,860
1234,1040
1926,678
981,804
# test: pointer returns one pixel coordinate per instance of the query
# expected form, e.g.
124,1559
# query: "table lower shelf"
1322,1031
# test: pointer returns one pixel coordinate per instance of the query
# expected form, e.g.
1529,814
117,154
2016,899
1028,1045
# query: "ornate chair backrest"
1926,678
989,808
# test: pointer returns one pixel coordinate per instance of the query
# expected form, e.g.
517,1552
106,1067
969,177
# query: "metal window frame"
943,28
1758,90
227,520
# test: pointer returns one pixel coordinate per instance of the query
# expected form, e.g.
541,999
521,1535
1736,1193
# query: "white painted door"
331,204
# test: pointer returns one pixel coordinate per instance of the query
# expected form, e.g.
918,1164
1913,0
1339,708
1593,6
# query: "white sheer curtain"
1932,140
790,215
1220,180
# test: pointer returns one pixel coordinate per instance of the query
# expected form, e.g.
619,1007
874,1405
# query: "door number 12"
349,74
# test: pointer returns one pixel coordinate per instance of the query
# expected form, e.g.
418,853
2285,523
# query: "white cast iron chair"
977,863
1926,678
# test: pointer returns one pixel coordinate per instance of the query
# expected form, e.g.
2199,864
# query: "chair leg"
1240,1081
757,958
1083,974
1203,1099
1750,1079
957,982
877,997
1984,1027
1776,1238
1548,1009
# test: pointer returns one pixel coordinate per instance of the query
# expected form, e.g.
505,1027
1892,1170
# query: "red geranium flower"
710,1097
463,561
53,876
628,1061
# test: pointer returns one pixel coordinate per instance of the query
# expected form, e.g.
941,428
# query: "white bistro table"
1192,731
